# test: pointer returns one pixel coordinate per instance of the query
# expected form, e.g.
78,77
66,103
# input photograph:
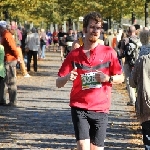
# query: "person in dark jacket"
140,79
69,41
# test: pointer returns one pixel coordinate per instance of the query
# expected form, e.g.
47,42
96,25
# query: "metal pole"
133,17
146,14
110,22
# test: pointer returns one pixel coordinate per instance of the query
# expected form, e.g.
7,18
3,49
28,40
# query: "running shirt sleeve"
66,66
115,67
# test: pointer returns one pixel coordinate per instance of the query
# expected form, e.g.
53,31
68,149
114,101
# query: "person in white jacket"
33,43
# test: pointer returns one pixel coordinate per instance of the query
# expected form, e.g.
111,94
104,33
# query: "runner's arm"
61,81
102,77
117,79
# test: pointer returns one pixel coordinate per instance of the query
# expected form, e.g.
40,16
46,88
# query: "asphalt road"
42,119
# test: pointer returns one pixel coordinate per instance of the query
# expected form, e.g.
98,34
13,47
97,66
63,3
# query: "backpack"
16,37
131,51
119,44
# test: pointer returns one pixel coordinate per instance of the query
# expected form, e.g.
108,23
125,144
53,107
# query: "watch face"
111,78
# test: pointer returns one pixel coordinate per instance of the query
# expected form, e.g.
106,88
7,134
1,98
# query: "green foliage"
57,11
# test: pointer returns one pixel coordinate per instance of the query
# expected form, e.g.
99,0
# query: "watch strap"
111,79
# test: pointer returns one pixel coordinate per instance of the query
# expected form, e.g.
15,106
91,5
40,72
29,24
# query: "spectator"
127,67
2,76
55,40
22,63
140,79
16,33
75,34
109,38
61,38
23,44
49,39
120,49
114,41
69,41
43,40
146,28
11,58
33,43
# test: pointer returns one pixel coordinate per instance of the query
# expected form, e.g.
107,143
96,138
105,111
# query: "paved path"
42,119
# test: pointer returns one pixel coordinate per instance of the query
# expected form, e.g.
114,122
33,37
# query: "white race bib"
89,81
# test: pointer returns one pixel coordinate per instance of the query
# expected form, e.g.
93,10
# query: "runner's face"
93,31
70,31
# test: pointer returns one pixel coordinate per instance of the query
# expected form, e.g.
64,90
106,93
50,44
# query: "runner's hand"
101,77
72,75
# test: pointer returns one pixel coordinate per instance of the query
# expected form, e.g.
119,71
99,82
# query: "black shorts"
90,125
61,44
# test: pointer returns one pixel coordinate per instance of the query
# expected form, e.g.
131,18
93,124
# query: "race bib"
89,81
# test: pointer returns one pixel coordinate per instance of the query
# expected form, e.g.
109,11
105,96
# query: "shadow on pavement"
17,124
51,123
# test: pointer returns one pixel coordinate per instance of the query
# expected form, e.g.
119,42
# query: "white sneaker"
27,75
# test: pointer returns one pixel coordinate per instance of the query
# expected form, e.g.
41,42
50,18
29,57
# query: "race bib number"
89,81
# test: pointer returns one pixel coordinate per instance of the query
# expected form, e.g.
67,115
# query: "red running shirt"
86,93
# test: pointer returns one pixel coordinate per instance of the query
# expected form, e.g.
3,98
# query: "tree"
58,11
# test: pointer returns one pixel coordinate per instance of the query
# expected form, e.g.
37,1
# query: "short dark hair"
92,16
33,30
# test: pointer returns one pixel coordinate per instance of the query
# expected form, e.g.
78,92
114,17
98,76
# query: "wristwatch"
111,79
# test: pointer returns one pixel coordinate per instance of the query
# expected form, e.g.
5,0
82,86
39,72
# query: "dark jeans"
2,85
146,134
29,57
